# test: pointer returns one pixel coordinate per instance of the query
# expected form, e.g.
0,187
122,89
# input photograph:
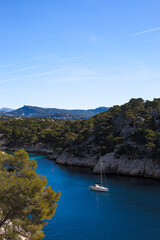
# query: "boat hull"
99,188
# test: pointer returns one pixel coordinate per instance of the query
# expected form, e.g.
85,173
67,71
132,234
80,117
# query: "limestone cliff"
67,159
144,167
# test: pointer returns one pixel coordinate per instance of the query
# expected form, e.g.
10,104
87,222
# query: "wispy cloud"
62,59
145,31
145,71
34,59
80,74
146,75
154,40
90,76
139,33
22,62
27,68
34,75
108,79
77,57
6,66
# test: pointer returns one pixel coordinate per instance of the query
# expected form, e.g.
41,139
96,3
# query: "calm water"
130,211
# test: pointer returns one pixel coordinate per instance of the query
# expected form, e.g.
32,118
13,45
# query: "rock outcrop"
66,159
54,155
3,142
145,167
124,165
39,148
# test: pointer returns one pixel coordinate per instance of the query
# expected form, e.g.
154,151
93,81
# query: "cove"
131,209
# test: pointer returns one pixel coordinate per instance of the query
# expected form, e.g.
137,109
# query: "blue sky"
78,54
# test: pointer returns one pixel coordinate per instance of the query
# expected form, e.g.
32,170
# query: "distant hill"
6,110
32,111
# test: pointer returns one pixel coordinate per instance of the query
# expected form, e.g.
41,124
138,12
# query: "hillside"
31,111
131,130
5,110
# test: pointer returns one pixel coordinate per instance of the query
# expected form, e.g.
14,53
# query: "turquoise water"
130,211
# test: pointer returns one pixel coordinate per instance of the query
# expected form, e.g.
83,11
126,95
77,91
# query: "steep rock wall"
145,167
66,159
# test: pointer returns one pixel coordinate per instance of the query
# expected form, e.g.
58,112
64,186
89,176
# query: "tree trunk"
4,219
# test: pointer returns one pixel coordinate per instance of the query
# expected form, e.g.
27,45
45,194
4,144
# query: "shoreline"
145,167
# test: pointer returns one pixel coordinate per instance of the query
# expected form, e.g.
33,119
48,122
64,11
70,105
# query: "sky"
78,54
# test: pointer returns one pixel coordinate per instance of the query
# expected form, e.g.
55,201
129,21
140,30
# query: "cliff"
39,148
66,159
124,165
144,167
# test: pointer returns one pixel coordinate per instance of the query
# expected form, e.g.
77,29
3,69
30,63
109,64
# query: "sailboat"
99,186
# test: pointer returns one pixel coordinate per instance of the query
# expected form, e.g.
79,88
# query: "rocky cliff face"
67,159
134,167
39,148
124,165
144,167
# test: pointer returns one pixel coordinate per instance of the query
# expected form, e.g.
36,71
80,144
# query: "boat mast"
101,174
101,169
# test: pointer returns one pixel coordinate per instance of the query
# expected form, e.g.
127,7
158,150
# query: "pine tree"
25,198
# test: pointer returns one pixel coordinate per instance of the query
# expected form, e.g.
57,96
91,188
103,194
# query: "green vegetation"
25,198
133,129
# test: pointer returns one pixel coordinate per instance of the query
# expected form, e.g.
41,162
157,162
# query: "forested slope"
132,129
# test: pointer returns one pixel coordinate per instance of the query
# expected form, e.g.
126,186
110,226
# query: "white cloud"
34,75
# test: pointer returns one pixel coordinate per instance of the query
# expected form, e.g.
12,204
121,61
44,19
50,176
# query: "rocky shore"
39,148
124,165
66,159
144,167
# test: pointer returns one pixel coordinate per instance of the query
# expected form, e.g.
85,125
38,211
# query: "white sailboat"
99,186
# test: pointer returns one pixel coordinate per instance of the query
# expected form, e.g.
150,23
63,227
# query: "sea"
130,211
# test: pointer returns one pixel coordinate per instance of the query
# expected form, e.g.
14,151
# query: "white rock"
135,167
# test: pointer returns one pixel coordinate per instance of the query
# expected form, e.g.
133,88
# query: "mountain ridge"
34,111
5,109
